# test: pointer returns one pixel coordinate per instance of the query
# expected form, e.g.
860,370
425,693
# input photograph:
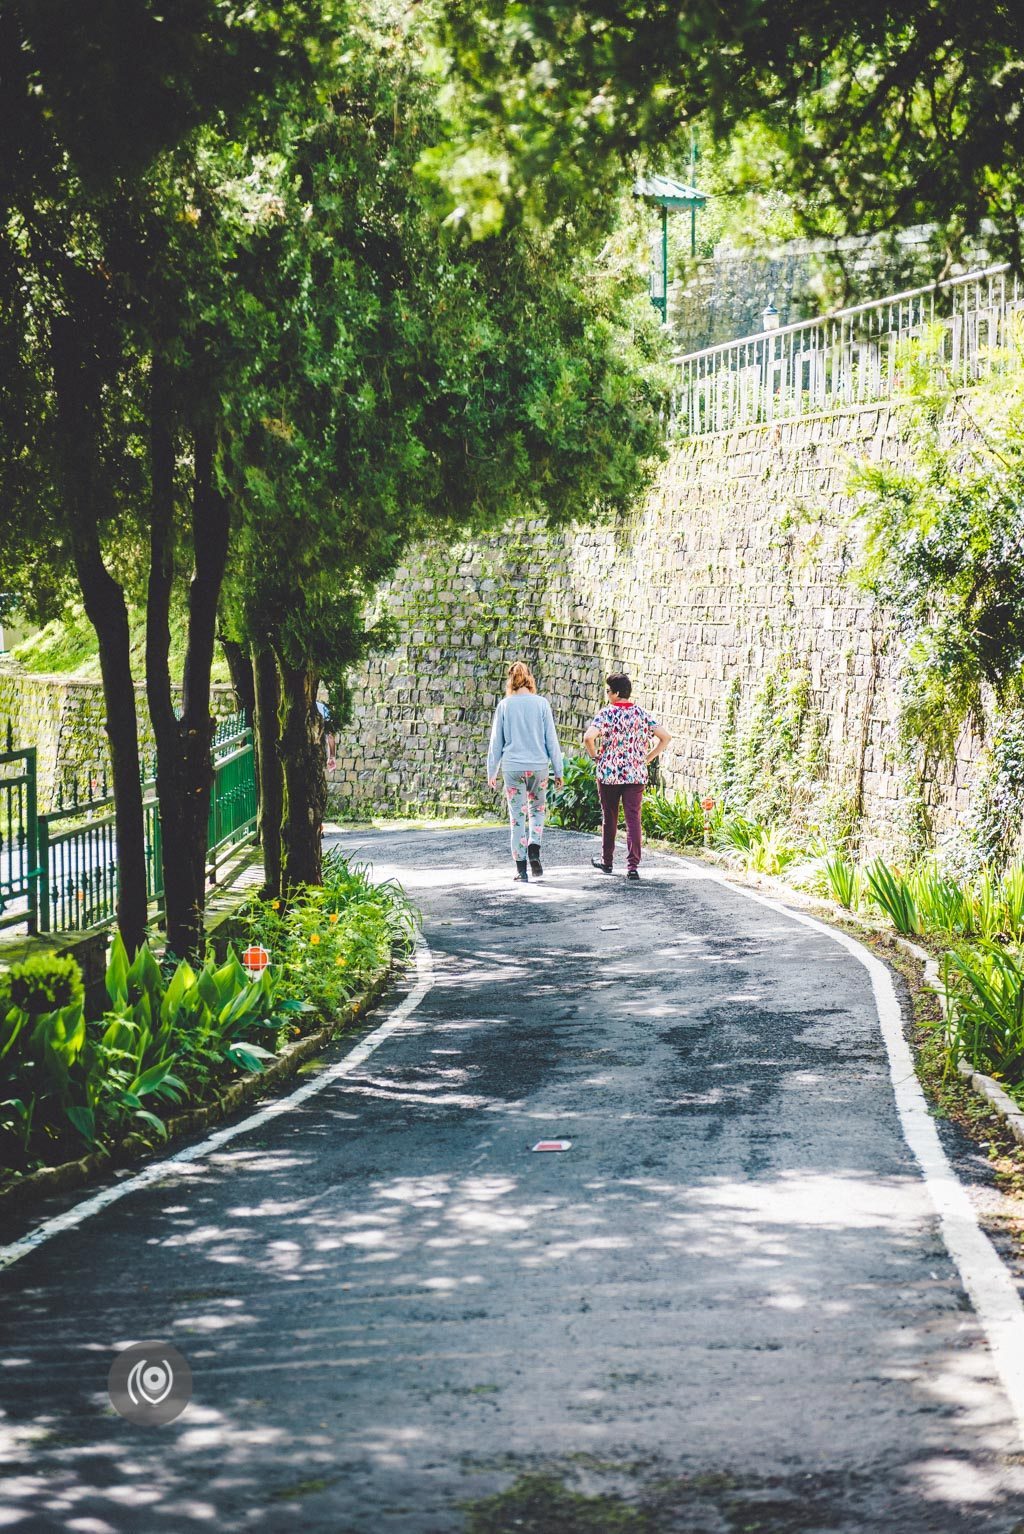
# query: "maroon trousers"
629,796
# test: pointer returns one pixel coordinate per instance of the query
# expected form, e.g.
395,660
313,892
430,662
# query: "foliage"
576,805
769,763
179,1032
877,117
942,545
44,982
942,904
678,819
985,1009
843,880
328,941
891,892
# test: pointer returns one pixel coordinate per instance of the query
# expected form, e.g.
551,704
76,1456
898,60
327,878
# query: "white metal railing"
851,357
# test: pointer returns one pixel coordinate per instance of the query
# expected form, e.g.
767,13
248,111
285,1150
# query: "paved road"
727,1308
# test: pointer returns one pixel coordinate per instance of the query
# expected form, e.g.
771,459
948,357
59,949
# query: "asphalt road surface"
727,1309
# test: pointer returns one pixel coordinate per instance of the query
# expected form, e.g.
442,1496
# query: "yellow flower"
314,938
333,918
275,905
340,963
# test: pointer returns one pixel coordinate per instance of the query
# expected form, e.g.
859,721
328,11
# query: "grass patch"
309,1488
539,1504
68,647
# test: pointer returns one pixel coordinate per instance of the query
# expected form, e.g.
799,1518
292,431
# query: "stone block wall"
66,721
732,568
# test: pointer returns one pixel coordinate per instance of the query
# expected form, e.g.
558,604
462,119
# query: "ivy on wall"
772,760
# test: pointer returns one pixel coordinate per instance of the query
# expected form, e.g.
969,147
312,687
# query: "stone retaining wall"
66,722
730,572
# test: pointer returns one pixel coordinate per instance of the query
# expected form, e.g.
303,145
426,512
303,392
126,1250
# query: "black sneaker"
605,868
521,875
533,852
633,875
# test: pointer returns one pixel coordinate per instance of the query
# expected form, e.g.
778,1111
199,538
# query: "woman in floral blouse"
620,741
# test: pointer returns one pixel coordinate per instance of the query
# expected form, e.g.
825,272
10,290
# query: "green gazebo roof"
669,193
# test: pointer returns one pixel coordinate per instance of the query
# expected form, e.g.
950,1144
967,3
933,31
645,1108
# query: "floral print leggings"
527,795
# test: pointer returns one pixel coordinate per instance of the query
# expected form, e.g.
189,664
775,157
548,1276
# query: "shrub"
1011,894
678,819
943,905
891,892
843,880
43,983
170,1036
576,805
985,1010
330,939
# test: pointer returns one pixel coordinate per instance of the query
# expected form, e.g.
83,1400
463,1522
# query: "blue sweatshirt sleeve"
554,750
497,744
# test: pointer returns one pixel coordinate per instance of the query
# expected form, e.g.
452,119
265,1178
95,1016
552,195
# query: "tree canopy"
887,115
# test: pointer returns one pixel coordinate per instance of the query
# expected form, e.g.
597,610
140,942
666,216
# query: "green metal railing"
78,840
19,850
233,798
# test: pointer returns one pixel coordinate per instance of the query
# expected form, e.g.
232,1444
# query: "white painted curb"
988,1282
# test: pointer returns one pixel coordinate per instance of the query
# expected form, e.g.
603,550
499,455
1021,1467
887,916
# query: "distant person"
623,740
524,749
327,732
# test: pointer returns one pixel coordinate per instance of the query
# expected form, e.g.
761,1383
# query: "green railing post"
32,838
43,848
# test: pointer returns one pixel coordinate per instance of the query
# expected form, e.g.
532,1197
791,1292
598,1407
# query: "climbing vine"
771,761
942,547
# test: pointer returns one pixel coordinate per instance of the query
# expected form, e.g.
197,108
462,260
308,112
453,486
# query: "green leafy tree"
96,95
425,382
882,116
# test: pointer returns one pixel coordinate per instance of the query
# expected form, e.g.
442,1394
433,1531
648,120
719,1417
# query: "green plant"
330,939
1011,896
43,983
985,1009
678,819
987,911
943,905
770,852
576,805
737,832
891,892
843,879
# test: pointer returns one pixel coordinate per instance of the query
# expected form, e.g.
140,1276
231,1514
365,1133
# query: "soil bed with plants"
179,1045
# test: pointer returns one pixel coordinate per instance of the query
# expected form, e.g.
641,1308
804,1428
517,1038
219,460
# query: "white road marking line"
157,1169
986,1278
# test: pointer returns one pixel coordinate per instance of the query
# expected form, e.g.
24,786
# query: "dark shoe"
633,875
521,874
605,868
533,853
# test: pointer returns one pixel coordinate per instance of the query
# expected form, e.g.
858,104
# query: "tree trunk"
305,780
184,747
268,763
242,680
159,693
78,415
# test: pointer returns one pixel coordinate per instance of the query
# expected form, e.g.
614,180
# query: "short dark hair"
619,683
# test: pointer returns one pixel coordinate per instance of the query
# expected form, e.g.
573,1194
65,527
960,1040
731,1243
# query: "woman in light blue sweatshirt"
524,749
